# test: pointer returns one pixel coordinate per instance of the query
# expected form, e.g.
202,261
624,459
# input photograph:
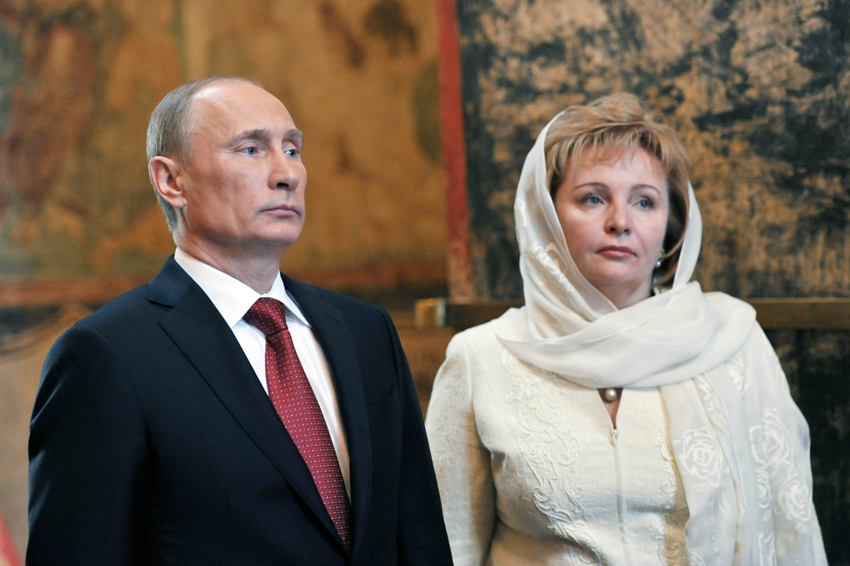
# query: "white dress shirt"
233,299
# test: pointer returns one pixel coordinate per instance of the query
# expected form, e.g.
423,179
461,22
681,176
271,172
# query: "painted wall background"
79,79
760,94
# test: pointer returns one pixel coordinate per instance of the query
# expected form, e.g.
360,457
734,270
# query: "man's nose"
284,172
618,220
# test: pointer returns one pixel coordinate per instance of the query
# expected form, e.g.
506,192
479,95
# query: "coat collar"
205,339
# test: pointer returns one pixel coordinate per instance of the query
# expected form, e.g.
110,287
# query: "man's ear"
165,175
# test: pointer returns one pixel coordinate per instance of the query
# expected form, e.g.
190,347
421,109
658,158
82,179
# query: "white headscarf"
570,328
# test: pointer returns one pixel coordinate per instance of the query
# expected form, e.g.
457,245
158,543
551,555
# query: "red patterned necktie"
296,404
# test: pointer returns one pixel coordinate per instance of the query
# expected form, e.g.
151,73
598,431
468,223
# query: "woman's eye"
646,203
592,199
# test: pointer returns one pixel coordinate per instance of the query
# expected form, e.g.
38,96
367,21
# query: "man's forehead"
239,104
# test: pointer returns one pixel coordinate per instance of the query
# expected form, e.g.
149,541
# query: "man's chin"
280,241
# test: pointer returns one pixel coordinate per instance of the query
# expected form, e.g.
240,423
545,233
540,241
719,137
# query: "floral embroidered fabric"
531,471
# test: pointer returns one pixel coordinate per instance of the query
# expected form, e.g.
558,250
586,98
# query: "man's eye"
294,152
250,150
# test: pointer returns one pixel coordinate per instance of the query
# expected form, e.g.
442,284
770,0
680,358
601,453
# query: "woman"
622,416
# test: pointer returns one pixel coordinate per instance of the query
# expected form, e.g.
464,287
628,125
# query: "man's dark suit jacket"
152,442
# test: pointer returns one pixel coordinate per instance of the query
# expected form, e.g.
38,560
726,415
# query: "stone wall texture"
759,91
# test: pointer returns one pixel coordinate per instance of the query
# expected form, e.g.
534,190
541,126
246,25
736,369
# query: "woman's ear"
166,175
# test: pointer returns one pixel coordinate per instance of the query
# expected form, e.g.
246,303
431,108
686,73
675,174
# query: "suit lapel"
205,339
334,336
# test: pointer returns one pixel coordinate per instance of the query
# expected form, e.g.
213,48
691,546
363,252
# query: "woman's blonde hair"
607,127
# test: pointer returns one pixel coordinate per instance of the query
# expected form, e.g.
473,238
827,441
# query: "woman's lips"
617,252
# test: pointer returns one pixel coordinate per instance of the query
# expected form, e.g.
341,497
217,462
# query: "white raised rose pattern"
792,495
700,455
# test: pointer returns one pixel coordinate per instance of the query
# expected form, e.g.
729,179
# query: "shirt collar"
231,297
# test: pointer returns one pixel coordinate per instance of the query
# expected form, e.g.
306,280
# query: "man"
223,413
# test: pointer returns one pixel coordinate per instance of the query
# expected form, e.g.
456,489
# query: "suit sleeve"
462,462
422,539
87,452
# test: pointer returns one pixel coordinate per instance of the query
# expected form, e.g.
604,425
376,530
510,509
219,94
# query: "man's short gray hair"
171,127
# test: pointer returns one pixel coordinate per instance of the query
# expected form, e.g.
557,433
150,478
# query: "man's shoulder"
144,301
126,309
131,308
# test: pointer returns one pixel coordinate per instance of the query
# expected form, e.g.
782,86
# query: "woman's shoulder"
474,341
756,340
723,301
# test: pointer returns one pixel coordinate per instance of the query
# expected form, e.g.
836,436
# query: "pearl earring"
660,259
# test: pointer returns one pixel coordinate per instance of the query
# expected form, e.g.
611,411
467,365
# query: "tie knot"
268,315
